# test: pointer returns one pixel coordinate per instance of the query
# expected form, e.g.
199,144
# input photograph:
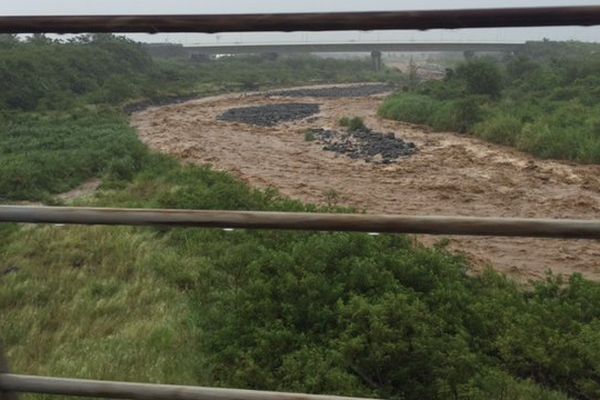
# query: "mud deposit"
451,174
365,144
335,91
270,114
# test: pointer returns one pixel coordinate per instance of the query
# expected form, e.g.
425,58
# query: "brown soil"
450,175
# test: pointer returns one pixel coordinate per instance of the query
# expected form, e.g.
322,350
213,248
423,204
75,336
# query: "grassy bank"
42,74
333,313
543,101
61,119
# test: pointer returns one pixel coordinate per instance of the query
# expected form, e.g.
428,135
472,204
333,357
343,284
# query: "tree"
481,76
8,39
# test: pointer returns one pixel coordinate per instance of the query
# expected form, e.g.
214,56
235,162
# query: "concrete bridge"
375,48
351,47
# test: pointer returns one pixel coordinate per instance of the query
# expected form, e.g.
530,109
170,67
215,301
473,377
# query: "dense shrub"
548,105
409,107
355,315
353,124
456,115
481,76
453,115
42,155
500,128
46,74
42,74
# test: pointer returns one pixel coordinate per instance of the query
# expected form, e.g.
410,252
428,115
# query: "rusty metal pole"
4,369
432,225
421,20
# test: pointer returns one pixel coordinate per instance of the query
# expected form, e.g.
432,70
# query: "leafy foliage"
481,76
46,154
353,124
543,100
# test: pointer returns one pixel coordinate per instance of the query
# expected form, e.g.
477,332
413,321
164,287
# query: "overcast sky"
63,7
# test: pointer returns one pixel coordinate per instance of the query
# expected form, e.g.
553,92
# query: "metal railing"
385,20
10,384
13,383
432,225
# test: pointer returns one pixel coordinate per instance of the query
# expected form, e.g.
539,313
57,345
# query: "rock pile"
270,114
365,144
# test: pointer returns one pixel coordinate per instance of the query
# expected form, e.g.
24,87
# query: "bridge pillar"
376,60
271,56
469,54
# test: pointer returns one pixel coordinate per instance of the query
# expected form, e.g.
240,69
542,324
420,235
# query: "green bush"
37,73
309,136
355,315
42,74
457,115
42,155
543,100
500,128
481,76
353,124
413,108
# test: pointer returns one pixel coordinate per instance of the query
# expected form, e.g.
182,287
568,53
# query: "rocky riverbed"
270,114
364,144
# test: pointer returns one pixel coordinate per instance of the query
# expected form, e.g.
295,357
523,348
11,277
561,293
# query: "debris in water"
365,144
270,114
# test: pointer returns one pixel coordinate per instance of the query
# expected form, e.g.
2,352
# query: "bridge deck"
352,48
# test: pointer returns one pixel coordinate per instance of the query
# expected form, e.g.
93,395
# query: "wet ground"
335,91
451,174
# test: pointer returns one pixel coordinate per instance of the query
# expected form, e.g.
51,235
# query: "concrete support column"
376,60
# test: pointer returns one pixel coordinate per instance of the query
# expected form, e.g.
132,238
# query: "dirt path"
451,175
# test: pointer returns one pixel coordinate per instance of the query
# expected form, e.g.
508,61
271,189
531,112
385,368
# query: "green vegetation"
46,75
339,313
543,100
309,135
42,74
334,313
353,124
60,103
44,154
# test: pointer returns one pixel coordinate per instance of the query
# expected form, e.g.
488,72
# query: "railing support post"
5,394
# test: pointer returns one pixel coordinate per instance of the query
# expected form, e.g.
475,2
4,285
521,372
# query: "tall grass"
548,105
91,303
44,154
443,115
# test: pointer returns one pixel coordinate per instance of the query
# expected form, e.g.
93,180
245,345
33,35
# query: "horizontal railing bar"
142,391
435,225
421,20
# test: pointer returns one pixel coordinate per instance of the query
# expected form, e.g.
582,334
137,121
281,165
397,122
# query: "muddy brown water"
451,174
